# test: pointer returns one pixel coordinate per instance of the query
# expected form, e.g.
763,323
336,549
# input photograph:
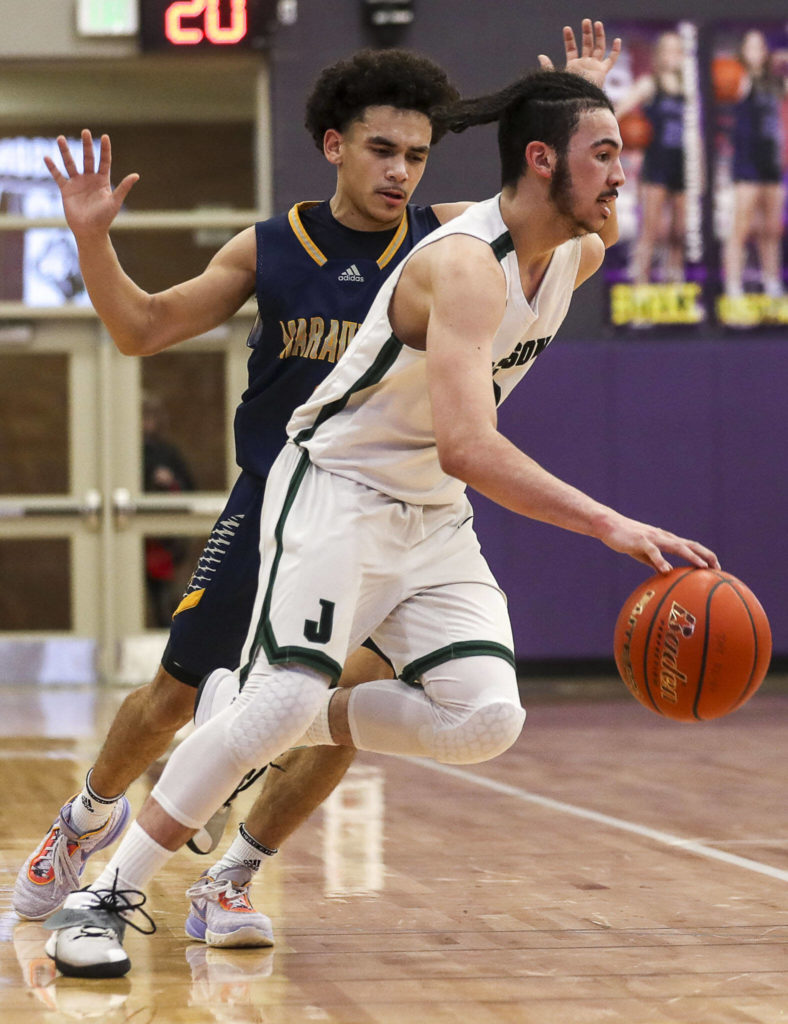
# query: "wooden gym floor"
612,867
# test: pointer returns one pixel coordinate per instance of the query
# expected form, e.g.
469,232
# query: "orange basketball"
726,76
636,130
692,644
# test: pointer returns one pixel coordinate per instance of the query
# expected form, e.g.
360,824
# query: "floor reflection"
70,998
224,982
353,834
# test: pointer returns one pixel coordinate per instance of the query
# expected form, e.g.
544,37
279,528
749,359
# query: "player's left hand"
592,61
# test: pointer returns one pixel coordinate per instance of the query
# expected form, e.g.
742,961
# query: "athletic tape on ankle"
94,795
253,842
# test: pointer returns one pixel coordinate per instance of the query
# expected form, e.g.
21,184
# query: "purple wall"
689,431
692,436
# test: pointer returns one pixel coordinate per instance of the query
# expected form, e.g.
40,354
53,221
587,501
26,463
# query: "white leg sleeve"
271,713
468,711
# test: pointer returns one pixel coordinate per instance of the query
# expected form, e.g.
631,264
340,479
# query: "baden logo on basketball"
680,620
681,623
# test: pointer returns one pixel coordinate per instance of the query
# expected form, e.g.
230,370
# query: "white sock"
89,811
245,853
136,861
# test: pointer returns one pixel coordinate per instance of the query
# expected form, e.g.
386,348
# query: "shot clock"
218,25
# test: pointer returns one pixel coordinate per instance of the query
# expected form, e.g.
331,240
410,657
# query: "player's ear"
540,158
332,146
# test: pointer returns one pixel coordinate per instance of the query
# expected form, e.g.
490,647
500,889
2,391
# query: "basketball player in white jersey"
366,529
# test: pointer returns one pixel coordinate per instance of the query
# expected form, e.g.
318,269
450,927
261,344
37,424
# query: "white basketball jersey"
371,419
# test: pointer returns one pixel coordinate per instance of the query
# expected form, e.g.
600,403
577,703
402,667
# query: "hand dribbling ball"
692,644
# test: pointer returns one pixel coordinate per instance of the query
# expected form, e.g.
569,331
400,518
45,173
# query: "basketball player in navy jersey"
366,528
314,273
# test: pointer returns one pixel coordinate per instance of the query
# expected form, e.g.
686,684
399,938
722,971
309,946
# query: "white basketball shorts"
341,562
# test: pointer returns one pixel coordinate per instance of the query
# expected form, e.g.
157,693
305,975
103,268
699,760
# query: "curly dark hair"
391,77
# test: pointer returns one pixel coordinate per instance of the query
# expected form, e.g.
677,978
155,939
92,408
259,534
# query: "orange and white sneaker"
222,914
53,870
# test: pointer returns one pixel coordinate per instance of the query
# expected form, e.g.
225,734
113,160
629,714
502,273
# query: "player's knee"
164,704
485,733
277,702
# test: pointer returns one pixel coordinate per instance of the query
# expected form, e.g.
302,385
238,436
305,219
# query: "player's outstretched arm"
464,292
89,201
592,60
141,323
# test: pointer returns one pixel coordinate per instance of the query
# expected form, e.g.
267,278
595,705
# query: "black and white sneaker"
87,934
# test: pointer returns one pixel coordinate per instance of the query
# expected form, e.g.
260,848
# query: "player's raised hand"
592,60
89,201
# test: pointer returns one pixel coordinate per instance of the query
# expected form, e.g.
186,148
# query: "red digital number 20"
213,30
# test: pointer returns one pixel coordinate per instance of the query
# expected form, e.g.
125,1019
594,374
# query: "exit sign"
218,25
107,17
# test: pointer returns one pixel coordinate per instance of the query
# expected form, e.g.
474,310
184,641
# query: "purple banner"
657,271
749,74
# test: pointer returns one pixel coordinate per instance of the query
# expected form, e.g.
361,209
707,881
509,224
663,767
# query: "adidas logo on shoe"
351,274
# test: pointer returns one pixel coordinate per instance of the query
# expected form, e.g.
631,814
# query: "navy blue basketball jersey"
310,303
663,161
757,135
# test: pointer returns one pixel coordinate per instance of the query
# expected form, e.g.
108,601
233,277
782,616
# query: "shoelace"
122,902
59,860
218,886
237,896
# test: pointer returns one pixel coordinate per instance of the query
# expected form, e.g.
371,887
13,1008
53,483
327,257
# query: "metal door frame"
105,514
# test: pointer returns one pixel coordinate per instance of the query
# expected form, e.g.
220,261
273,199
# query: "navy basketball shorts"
664,166
212,620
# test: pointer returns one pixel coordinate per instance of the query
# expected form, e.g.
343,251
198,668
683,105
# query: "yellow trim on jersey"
192,599
294,217
399,237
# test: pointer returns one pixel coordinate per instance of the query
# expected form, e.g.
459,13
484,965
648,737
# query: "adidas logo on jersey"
351,274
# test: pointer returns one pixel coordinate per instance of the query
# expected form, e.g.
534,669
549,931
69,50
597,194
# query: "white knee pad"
271,713
484,733
467,711
274,706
